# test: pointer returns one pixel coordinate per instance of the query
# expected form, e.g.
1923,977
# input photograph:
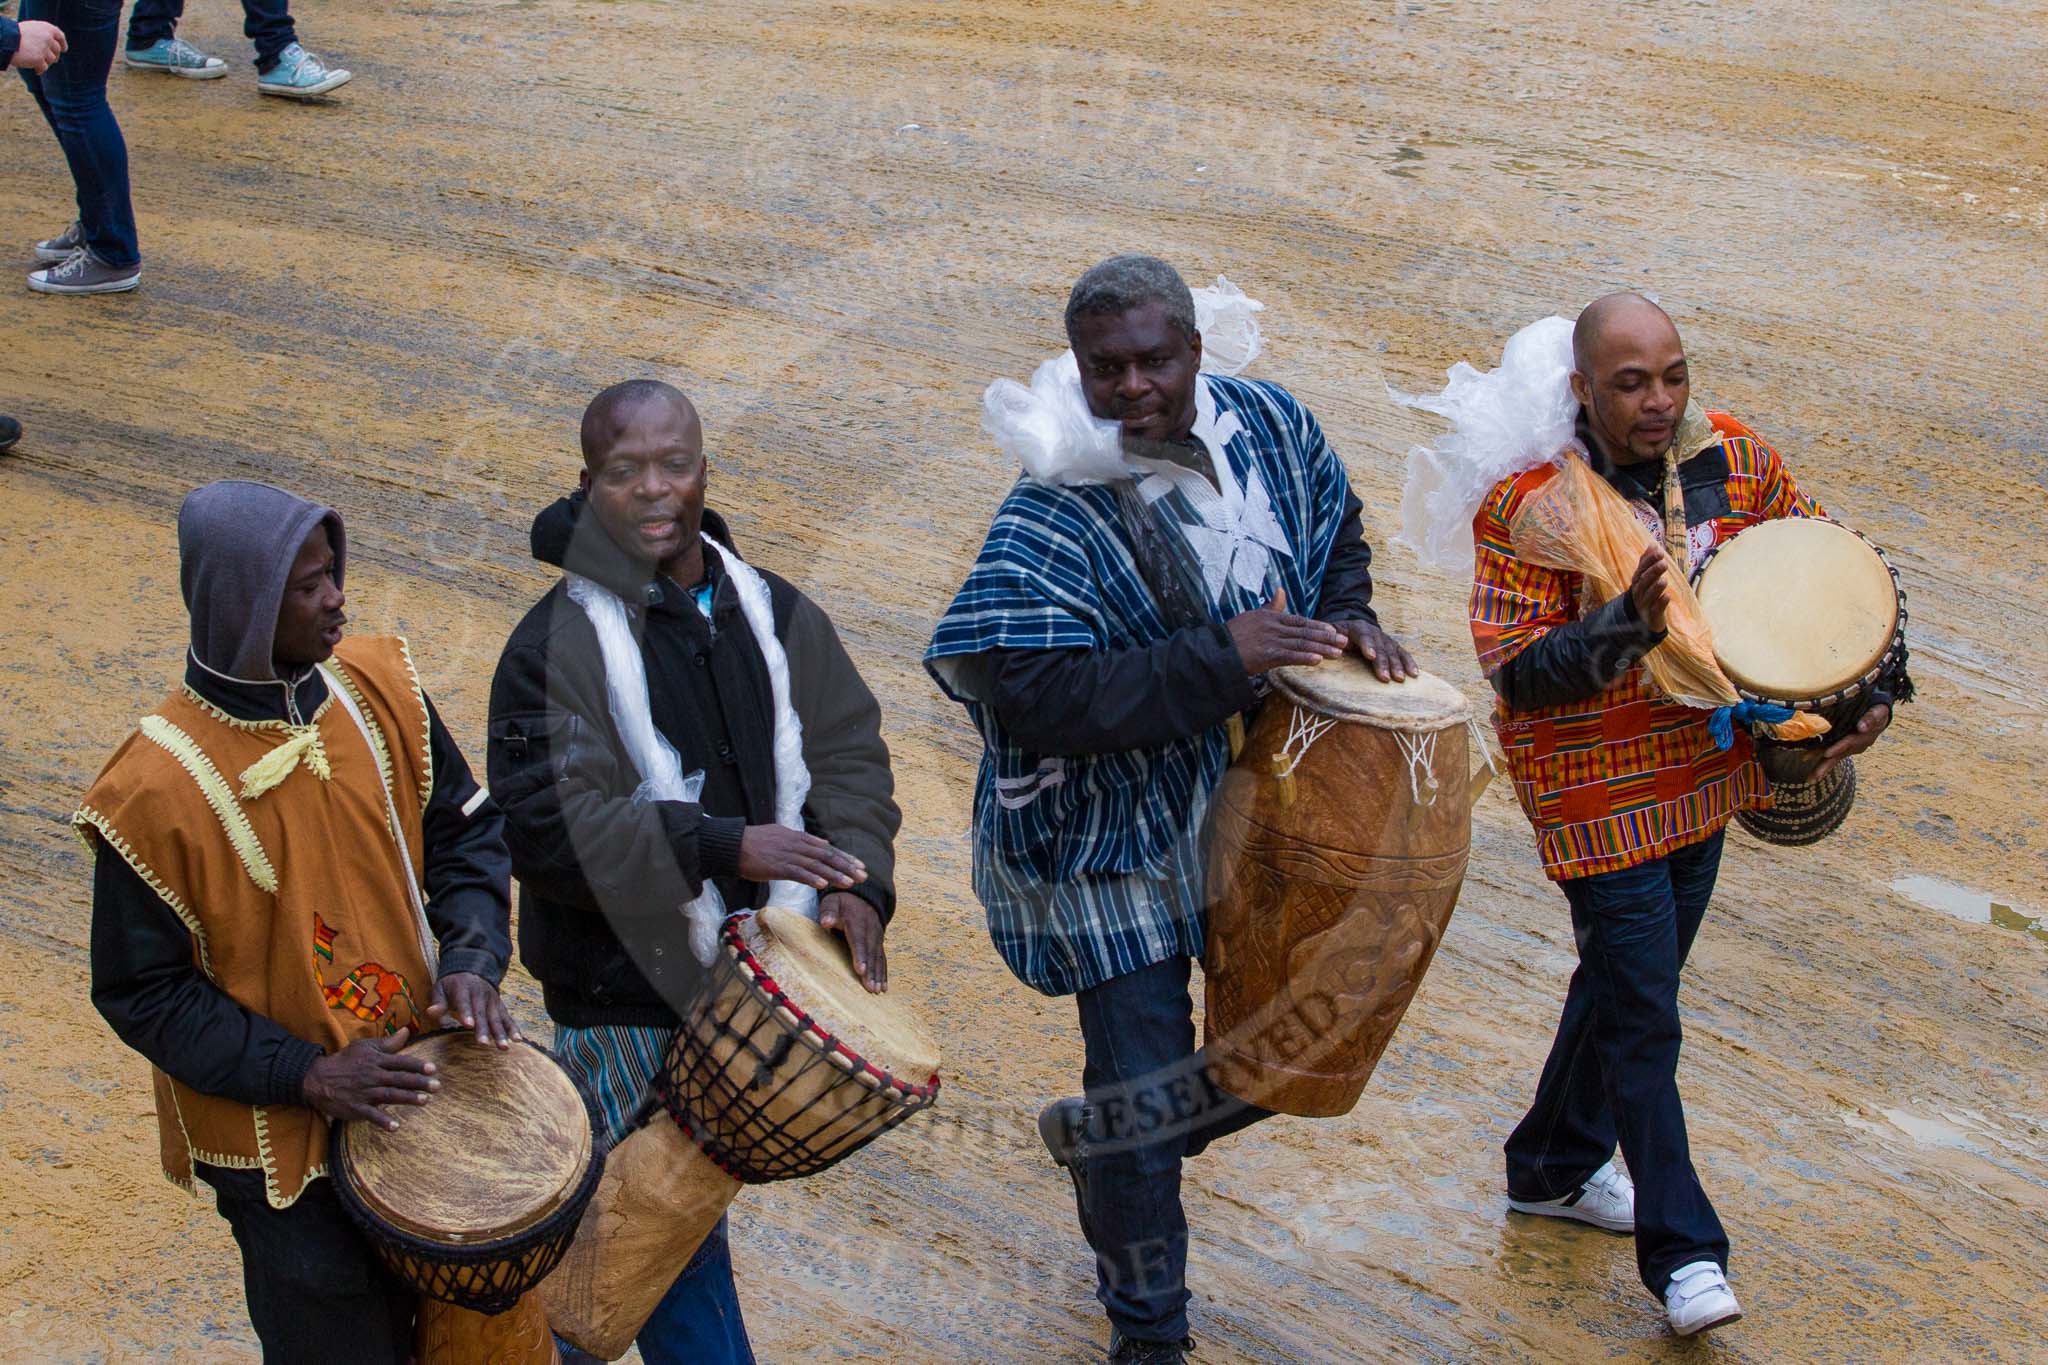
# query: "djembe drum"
1338,846
475,1198
1807,614
659,1199
786,1066
789,1065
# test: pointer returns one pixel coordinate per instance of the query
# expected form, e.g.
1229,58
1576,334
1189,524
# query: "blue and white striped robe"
1091,866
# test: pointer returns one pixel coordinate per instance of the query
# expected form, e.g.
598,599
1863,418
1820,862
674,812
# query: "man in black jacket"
604,871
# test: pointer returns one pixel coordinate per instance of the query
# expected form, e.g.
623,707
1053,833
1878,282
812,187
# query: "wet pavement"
833,225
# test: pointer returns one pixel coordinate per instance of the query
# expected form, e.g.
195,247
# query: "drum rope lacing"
1305,727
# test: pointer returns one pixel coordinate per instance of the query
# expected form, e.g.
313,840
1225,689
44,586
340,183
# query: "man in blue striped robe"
1109,633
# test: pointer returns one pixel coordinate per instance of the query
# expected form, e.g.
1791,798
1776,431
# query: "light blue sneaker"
175,57
299,75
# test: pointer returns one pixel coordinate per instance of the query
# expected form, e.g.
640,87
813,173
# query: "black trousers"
317,1293
1613,1069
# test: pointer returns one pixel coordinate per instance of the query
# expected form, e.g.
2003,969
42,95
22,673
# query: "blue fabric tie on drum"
1721,724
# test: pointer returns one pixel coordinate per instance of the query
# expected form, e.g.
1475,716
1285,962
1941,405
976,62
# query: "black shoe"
1060,1125
1125,1350
10,432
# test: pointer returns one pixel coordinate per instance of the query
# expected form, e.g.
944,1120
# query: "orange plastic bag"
1578,523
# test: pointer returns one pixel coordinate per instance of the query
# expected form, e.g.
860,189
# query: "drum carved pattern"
1326,907
447,1335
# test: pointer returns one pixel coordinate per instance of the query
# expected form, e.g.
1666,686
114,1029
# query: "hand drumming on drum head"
863,928
1872,724
356,1082
1271,637
770,853
473,1000
1388,659
1651,588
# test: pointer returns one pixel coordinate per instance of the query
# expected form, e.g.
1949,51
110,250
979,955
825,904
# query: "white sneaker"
1607,1200
1699,1300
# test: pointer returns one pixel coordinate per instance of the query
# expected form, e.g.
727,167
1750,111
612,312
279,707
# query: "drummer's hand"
1856,741
770,853
1268,637
857,920
473,1000
1379,649
369,1073
1651,588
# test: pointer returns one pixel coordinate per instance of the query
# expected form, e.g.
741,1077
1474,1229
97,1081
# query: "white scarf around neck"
655,759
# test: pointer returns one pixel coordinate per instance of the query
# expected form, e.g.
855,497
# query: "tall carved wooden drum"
476,1196
1338,845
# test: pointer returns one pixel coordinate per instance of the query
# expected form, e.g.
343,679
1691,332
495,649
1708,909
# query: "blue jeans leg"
268,24
152,20
1150,1102
1568,1132
73,97
1634,929
698,1321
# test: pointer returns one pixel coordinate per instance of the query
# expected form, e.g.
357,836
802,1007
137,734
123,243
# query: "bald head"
1629,375
609,415
1623,314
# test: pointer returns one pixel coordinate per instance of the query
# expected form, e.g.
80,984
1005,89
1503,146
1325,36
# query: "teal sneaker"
175,57
299,75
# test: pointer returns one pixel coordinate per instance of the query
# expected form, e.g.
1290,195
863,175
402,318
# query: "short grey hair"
1122,283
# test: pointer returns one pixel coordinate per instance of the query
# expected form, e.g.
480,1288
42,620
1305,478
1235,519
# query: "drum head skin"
1799,608
498,1148
814,967
1346,688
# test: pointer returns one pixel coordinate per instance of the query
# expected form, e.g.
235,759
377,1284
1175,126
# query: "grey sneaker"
176,57
82,273
299,75
61,246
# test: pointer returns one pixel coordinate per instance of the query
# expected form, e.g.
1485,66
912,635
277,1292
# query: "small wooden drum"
1338,842
788,1064
1807,614
477,1195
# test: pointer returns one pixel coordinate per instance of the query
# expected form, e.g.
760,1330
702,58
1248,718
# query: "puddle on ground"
1974,907
1928,1132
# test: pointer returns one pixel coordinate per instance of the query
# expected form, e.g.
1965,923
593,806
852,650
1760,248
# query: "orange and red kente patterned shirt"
1629,775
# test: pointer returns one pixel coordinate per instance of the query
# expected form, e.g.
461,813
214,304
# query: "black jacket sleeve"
1347,575
147,985
1084,701
1580,659
10,41
469,873
554,773
852,802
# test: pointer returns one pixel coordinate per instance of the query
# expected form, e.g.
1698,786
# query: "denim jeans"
698,1321
73,97
1150,1102
1613,1069
267,23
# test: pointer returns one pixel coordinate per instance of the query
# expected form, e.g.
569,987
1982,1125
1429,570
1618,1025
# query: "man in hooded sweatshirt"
293,872
605,854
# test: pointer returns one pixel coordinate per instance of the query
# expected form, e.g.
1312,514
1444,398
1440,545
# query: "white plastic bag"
1047,426
1503,421
1231,339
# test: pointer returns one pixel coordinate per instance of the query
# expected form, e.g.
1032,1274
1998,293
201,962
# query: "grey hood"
236,544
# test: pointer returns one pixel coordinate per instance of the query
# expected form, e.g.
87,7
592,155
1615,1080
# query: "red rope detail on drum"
777,998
